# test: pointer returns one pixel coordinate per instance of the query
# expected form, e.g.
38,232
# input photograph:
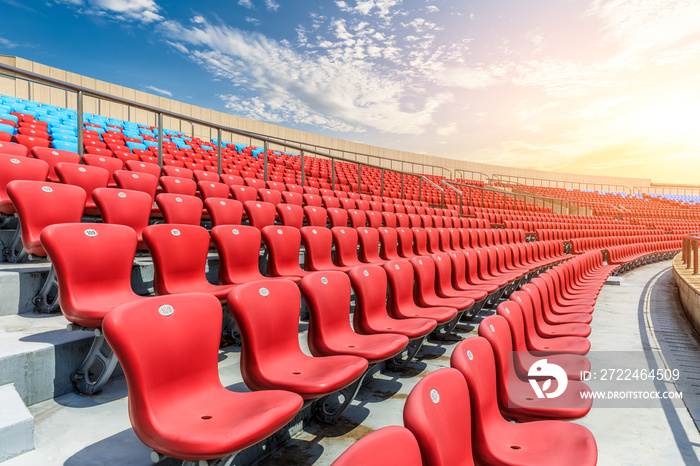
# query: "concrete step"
16,424
38,354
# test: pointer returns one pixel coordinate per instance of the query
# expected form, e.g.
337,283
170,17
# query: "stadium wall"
395,159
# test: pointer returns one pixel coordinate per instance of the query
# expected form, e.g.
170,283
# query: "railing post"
333,174
403,196
265,146
695,256
420,189
303,169
359,178
381,183
80,123
160,139
218,151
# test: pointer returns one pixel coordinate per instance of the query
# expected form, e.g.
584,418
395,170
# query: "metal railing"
82,92
690,251
515,179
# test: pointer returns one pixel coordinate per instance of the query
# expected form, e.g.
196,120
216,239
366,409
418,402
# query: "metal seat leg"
97,367
47,299
330,407
402,359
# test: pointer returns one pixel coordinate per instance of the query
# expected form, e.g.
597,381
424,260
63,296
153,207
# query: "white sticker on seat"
90,232
435,396
166,310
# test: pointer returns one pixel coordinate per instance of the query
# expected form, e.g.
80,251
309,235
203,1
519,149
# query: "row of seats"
255,306
458,416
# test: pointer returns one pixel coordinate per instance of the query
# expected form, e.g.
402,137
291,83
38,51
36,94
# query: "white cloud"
158,90
245,3
432,9
328,91
447,130
144,11
254,21
7,43
272,5
381,8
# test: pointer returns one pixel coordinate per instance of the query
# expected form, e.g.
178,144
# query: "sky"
602,87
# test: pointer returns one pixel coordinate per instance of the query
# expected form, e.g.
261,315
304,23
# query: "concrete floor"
78,430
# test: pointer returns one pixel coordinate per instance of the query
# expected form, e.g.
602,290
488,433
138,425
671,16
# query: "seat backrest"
316,216
87,177
124,207
14,167
40,204
54,156
243,193
374,219
165,344
272,196
400,277
111,164
438,413
239,253
224,211
143,167
405,244
496,331
292,198
179,255
180,209
345,240
389,244
260,214
291,215
93,263
213,189
318,246
337,217
512,313
145,182
368,239
312,200
203,175
10,148
370,285
389,219
330,202
267,315
177,185
180,172
358,218
393,444
283,245
327,295
254,183
473,357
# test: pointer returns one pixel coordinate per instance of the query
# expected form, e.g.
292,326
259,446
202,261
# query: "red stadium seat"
93,264
438,413
54,156
283,245
124,207
318,247
274,360
290,215
87,177
199,419
260,214
180,209
327,295
498,441
179,255
515,394
316,216
387,445
14,167
38,205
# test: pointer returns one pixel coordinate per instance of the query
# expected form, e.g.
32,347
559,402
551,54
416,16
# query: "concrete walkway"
77,430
